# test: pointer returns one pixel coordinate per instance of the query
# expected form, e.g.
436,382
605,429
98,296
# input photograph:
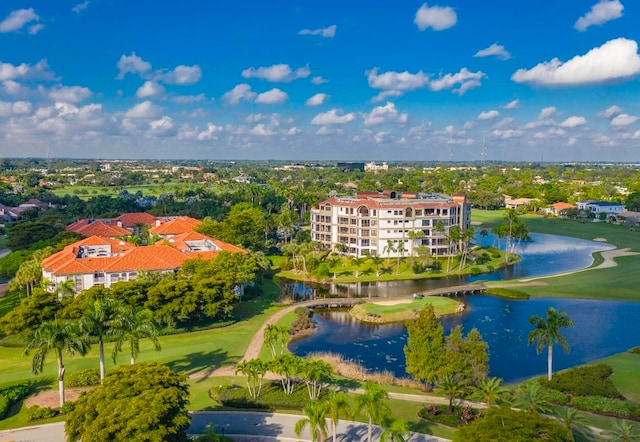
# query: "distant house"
598,207
629,218
516,203
558,209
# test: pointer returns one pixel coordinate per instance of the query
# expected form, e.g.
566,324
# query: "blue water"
602,328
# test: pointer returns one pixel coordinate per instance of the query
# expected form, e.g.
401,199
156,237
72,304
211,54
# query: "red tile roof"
175,226
98,228
131,219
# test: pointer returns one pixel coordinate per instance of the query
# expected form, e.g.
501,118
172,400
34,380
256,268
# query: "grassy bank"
403,310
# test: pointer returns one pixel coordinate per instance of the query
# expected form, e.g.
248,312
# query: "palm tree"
357,262
66,288
489,390
451,387
623,431
547,331
376,261
59,337
400,249
372,402
573,420
274,334
483,234
452,238
333,263
336,401
388,249
316,418
98,320
254,370
531,397
130,326
286,365
395,431
314,372
467,235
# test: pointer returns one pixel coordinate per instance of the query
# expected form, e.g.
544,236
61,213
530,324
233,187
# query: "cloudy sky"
346,80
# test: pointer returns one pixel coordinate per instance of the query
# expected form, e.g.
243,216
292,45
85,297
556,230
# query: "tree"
466,356
142,402
337,402
483,234
26,318
531,397
425,350
315,413
97,321
389,249
333,263
400,250
376,261
373,405
357,262
274,335
506,425
244,226
454,237
574,421
623,431
315,372
58,337
489,391
254,370
547,331
451,387
286,365
395,431
130,325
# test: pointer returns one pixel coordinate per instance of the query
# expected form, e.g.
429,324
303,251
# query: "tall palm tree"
357,262
316,418
395,431
333,263
372,402
377,261
483,234
314,372
254,370
489,390
452,238
130,327
547,331
337,402
400,249
66,288
97,321
59,337
388,249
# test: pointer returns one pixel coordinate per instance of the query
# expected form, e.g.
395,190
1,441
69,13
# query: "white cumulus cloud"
149,89
328,32
17,19
132,64
146,109
495,50
332,117
512,104
80,7
623,120
615,60
488,115
241,92
398,82
318,80
459,82
317,100
547,112
183,75
382,114
261,130
277,73
39,70
611,111
574,121
273,96
437,18
601,12
70,94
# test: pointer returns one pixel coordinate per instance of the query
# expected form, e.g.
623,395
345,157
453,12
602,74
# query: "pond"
602,328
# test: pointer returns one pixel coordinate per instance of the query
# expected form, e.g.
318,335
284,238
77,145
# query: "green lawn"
404,312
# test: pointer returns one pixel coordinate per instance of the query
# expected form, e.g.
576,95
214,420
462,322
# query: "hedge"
83,378
272,396
588,380
607,406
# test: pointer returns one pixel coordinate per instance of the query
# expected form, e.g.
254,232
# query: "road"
248,427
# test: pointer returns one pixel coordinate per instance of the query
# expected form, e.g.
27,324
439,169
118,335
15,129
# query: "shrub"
67,407
634,350
557,397
37,413
607,406
442,415
475,270
302,322
15,393
588,380
4,407
84,378
272,396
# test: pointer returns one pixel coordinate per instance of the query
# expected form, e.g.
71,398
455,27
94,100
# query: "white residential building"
373,223
598,207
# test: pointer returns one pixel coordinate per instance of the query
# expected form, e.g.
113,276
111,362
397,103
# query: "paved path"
243,426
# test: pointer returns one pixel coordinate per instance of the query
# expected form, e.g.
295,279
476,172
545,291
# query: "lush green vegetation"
508,293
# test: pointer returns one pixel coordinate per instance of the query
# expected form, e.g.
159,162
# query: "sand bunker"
600,239
394,302
609,256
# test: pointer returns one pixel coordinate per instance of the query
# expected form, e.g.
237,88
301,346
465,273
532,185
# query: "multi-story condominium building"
389,223
598,207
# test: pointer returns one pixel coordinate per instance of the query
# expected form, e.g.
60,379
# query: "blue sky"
305,80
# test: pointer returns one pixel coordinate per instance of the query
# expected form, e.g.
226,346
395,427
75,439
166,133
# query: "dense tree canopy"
141,402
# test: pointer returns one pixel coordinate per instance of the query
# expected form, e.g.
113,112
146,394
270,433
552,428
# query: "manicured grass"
86,192
373,312
626,374
8,302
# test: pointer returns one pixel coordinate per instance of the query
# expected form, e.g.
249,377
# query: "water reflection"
602,328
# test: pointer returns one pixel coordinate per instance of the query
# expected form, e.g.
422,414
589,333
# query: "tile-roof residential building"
103,261
98,228
130,220
557,209
369,222
174,226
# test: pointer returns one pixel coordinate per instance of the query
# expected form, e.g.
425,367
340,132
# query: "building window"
98,278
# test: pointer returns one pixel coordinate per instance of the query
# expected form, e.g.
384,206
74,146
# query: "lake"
602,328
